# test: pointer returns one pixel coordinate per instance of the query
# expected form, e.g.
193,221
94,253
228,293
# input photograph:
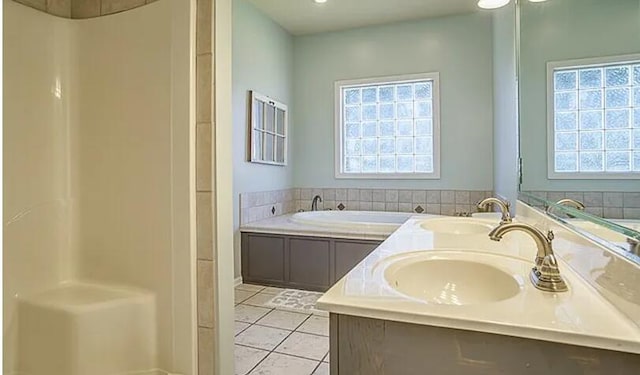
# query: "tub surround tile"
594,199
608,204
631,200
462,197
378,195
366,195
341,194
405,207
447,209
366,206
420,196
391,196
447,197
377,206
405,196
353,195
391,207
329,194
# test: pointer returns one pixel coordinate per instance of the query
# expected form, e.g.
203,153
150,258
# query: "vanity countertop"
580,316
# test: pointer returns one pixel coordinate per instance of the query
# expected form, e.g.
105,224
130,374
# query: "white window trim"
435,77
568,64
253,158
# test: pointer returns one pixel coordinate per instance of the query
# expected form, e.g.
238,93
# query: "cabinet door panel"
309,262
265,258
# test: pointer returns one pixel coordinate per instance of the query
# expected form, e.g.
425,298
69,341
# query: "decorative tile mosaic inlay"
295,300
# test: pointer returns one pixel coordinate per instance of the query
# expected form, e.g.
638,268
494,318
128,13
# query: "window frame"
577,64
268,101
391,80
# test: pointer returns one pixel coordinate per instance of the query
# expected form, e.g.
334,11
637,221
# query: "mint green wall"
563,30
505,104
262,61
459,47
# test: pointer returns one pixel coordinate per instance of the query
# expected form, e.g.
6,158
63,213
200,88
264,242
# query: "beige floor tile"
327,358
259,299
279,364
260,337
247,358
249,314
283,319
317,325
250,287
323,369
305,345
241,326
241,295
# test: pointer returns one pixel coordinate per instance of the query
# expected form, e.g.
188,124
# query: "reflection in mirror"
579,81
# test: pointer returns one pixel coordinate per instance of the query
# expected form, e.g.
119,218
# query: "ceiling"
300,17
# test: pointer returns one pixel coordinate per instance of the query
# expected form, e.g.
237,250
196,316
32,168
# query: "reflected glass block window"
596,118
388,126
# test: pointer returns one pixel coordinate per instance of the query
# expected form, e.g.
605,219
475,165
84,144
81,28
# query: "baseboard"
237,281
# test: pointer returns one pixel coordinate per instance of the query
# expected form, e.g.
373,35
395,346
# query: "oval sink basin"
450,281
457,226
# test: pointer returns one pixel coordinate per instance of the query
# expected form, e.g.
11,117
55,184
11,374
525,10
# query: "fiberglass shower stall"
98,192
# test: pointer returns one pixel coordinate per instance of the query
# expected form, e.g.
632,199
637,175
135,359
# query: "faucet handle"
550,235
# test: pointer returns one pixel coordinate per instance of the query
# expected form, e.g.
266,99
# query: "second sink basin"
457,226
453,278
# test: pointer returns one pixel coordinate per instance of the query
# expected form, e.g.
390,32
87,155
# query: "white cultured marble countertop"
580,316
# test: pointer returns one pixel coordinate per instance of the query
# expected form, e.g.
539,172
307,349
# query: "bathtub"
377,221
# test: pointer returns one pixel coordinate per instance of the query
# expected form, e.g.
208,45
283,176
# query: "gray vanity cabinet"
301,262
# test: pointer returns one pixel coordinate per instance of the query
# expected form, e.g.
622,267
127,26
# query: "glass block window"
596,120
388,127
268,130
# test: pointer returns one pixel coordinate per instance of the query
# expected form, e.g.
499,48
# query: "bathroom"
292,187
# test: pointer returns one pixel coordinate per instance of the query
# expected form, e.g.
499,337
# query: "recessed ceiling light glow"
492,4
319,1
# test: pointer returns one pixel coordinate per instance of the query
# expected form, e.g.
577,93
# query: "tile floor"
278,341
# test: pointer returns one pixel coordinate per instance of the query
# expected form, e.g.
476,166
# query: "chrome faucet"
314,202
546,274
567,202
504,208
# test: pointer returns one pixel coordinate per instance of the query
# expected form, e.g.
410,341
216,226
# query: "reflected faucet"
314,202
567,202
504,208
546,274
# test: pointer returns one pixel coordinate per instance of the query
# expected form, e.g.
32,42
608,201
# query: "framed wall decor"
268,120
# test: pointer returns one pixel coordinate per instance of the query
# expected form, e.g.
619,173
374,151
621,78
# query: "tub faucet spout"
504,208
314,202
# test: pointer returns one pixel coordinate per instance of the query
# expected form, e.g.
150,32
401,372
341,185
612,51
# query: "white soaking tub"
383,221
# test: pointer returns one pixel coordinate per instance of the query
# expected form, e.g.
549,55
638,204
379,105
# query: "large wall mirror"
579,82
